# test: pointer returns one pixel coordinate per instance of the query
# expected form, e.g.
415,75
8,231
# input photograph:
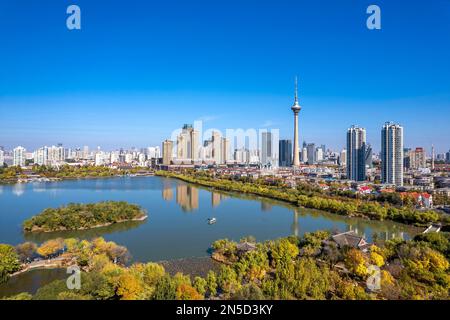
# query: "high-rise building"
225,150
242,155
19,156
311,153
41,156
343,158
392,154
157,152
296,109
304,154
406,158
447,157
2,157
216,147
368,156
285,147
432,157
85,152
266,148
356,153
417,158
167,149
188,144
319,154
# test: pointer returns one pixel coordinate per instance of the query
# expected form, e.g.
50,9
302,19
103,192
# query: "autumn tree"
355,262
283,252
51,247
129,287
187,292
26,251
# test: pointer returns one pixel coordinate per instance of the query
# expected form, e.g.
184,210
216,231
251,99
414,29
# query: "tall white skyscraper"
41,156
266,147
392,154
356,153
19,156
319,154
2,158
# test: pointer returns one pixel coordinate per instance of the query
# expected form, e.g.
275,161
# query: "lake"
177,224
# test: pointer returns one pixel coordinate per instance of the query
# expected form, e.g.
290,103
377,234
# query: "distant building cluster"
56,156
394,165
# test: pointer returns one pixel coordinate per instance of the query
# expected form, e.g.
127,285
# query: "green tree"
211,281
200,284
9,261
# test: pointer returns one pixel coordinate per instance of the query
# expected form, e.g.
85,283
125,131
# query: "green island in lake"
76,216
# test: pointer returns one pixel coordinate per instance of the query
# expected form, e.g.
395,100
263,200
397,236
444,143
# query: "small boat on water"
212,220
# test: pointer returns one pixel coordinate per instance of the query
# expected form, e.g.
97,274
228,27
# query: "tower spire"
296,90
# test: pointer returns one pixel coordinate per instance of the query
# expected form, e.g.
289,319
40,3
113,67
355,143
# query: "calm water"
177,224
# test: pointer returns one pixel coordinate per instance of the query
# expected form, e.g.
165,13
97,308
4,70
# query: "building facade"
167,148
19,156
392,154
417,158
285,147
356,153
266,148
188,144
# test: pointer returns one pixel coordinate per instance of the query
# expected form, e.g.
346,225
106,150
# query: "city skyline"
151,72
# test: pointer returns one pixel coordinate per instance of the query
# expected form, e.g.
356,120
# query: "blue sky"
137,70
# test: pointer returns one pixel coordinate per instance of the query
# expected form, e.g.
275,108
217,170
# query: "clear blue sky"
139,69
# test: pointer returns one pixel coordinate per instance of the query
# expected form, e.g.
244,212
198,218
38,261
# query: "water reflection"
294,226
266,206
167,192
31,281
187,197
169,233
18,189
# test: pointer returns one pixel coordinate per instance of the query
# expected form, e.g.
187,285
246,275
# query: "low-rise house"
244,247
351,239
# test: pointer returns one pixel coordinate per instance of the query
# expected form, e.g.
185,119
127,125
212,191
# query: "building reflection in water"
18,189
167,191
215,199
382,233
294,226
187,197
266,206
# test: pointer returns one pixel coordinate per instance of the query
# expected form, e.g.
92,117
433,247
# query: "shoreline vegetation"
13,174
368,209
76,216
313,266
